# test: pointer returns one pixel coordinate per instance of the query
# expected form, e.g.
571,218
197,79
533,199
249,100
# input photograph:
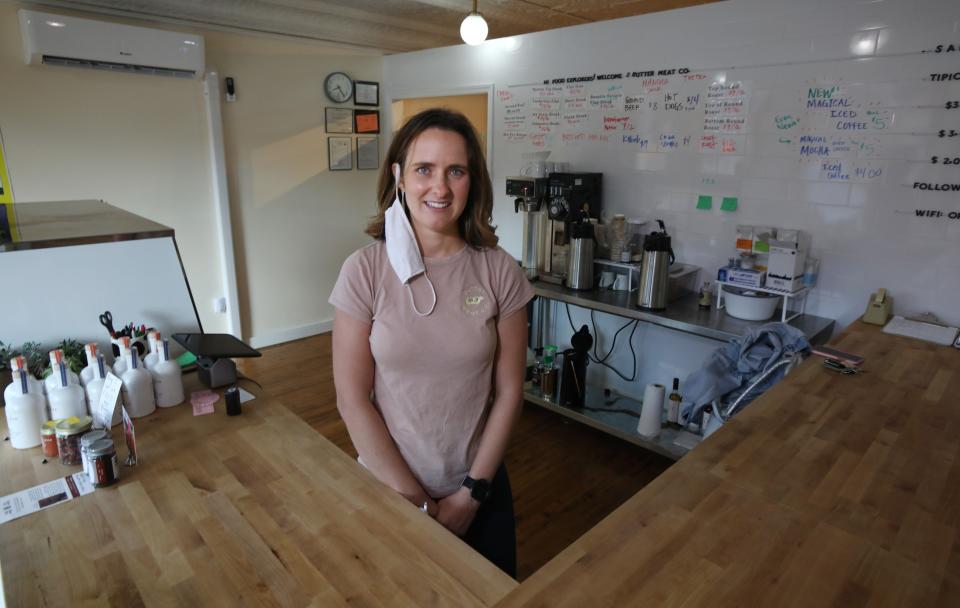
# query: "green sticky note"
186,359
729,203
704,202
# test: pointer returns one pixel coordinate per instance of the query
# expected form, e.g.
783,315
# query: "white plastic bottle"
95,387
151,358
137,388
90,371
66,399
26,412
17,364
167,378
120,365
56,359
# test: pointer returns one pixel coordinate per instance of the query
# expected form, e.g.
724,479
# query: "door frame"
401,93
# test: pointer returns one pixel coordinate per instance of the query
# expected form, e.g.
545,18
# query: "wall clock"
338,87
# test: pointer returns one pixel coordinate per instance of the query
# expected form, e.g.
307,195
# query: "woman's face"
436,182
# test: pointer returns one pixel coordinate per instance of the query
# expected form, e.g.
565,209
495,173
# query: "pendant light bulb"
474,29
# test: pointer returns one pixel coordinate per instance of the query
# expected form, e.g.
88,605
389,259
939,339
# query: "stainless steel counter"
63,223
682,315
620,418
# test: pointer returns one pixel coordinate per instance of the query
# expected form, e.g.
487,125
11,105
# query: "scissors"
106,319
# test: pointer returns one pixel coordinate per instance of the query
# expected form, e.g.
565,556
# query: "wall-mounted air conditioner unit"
69,41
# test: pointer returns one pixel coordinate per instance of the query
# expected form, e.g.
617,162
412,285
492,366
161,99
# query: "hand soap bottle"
66,397
151,358
167,379
17,364
26,412
137,387
56,358
90,371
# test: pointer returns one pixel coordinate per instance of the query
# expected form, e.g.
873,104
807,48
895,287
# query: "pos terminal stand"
213,352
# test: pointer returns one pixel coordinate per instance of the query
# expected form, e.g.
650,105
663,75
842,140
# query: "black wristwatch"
479,488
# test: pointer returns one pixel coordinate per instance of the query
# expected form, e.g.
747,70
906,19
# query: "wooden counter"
258,509
829,490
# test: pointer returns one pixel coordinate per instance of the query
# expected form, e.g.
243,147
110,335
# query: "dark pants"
493,533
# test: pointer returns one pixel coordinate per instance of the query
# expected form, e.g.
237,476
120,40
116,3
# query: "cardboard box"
786,262
741,277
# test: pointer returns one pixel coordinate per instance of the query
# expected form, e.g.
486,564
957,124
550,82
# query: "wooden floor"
566,477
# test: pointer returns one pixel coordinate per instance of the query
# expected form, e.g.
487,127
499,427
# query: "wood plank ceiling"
390,26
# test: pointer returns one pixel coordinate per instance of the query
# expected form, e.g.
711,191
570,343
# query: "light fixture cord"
474,7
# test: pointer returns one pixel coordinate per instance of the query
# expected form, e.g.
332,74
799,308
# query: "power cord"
603,360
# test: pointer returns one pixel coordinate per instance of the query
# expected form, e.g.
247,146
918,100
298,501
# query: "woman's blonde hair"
474,222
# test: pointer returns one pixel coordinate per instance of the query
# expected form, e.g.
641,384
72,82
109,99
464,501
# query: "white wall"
294,221
141,144
863,243
137,142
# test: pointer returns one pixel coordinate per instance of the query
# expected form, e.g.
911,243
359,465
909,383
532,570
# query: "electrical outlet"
220,305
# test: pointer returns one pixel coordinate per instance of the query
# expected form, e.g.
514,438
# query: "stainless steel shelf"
682,315
618,424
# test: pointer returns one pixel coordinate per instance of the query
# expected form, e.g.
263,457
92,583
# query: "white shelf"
785,313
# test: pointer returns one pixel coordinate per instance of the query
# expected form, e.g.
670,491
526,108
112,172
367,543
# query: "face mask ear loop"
414,304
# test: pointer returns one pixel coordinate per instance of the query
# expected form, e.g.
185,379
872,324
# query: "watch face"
338,87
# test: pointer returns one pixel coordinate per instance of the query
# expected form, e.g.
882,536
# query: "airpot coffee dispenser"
655,271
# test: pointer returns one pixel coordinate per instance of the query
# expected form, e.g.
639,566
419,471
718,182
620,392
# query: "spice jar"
69,432
85,442
48,438
105,470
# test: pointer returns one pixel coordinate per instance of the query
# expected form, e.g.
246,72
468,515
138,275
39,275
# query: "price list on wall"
901,132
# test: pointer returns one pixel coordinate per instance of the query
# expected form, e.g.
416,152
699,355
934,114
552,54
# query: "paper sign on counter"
103,413
37,498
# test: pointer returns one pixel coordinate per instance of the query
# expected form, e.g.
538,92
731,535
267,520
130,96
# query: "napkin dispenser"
879,308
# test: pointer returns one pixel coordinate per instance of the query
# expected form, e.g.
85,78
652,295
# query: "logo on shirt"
475,301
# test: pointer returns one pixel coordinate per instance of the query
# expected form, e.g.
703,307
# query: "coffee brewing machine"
549,206
531,200
572,198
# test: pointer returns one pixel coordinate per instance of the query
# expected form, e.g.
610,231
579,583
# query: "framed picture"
366,93
366,121
368,152
339,153
338,120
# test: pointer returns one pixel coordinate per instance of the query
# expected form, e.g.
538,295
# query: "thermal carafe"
580,257
655,271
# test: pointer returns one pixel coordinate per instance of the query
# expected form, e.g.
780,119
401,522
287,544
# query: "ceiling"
390,26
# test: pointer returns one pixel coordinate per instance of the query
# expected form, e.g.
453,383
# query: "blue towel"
732,367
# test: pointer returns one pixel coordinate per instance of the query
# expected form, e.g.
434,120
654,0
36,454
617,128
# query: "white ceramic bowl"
750,305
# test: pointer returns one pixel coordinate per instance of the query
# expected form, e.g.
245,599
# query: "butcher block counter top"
253,510
829,490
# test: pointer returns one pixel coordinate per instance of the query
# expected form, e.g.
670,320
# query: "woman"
429,336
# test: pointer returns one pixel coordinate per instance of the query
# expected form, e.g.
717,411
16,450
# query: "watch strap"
479,488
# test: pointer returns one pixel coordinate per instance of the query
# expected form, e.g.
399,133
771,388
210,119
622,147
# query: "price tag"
103,414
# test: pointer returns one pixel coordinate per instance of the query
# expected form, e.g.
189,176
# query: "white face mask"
402,249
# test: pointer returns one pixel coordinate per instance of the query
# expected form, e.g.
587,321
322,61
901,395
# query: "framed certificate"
366,93
339,153
338,120
366,121
368,152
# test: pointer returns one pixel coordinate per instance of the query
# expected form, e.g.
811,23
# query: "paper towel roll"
652,411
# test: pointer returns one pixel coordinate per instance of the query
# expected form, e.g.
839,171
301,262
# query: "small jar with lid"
85,442
104,468
48,438
69,432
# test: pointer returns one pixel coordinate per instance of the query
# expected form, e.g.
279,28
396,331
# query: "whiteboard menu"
896,125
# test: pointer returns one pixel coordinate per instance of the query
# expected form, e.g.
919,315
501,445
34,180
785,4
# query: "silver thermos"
580,257
655,271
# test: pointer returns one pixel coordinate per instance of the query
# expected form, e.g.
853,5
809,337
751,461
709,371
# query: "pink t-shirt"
433,378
